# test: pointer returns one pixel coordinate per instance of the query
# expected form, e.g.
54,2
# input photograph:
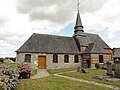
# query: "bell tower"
78,29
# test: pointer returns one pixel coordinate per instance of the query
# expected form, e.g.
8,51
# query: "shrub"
8,77
9,72
1,59
113,67
24,71
97,65
83,70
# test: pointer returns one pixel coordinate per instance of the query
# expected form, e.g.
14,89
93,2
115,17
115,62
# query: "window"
55,58
76,59
100,58
66,59
27,58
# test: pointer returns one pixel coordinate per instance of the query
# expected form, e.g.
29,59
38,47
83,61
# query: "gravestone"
109,69
117,68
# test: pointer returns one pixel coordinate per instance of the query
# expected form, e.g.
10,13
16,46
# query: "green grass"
34,72
53,71
1,62
55,83
90,74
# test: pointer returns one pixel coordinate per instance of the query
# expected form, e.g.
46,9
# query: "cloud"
55,11
90,6
3,20
20,18
106,18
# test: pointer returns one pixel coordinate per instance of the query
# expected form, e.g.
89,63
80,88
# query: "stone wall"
95,59
61,64
49,60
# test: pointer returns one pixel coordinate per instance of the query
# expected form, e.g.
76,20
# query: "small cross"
78,5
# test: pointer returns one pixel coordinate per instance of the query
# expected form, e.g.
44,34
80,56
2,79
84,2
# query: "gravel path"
41,73
90,82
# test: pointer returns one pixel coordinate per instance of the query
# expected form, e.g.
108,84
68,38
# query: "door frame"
39,62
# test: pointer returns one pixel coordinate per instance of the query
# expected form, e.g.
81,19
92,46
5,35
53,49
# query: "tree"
1,59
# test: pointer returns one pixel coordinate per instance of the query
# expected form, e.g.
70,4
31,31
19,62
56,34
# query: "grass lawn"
53,71
34,72
55,83
90,74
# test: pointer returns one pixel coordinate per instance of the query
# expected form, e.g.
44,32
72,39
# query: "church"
83,49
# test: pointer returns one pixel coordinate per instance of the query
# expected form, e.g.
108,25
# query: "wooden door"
88,64
42,62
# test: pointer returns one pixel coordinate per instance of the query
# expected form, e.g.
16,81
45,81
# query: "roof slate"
94,48
91,38
43,43
116,52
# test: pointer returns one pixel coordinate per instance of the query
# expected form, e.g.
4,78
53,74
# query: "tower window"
76,60
27,58
66,59
55,58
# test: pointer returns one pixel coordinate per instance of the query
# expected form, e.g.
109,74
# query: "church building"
52,52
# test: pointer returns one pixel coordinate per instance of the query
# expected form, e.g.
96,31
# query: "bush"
113,67
97,65
9,72
25,71
8,77
1,59
83,70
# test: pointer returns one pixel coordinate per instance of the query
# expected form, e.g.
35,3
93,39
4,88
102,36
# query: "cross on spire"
78,5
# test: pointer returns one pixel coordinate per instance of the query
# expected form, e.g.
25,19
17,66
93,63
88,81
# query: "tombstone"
117,68
109,69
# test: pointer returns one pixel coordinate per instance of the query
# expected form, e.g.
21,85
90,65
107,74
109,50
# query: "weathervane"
78,5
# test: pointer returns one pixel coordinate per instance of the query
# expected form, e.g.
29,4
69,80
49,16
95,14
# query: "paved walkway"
90,82
41,73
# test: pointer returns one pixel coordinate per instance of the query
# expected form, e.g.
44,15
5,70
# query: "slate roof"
91,38
116,52
94,48
42,43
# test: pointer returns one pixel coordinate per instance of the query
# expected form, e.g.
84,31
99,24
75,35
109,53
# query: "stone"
106,78
117,69
109,69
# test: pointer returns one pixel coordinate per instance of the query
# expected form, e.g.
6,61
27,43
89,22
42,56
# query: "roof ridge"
51,35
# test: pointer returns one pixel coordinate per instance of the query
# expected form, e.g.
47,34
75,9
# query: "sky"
19,19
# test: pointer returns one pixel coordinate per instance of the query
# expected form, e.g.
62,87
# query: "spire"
78,26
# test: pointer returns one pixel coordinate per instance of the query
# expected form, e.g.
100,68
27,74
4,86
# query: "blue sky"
19,19
66,31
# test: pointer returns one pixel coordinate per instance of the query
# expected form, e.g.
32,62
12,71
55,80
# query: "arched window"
27,58
101,59
76,60
55,58
66,59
